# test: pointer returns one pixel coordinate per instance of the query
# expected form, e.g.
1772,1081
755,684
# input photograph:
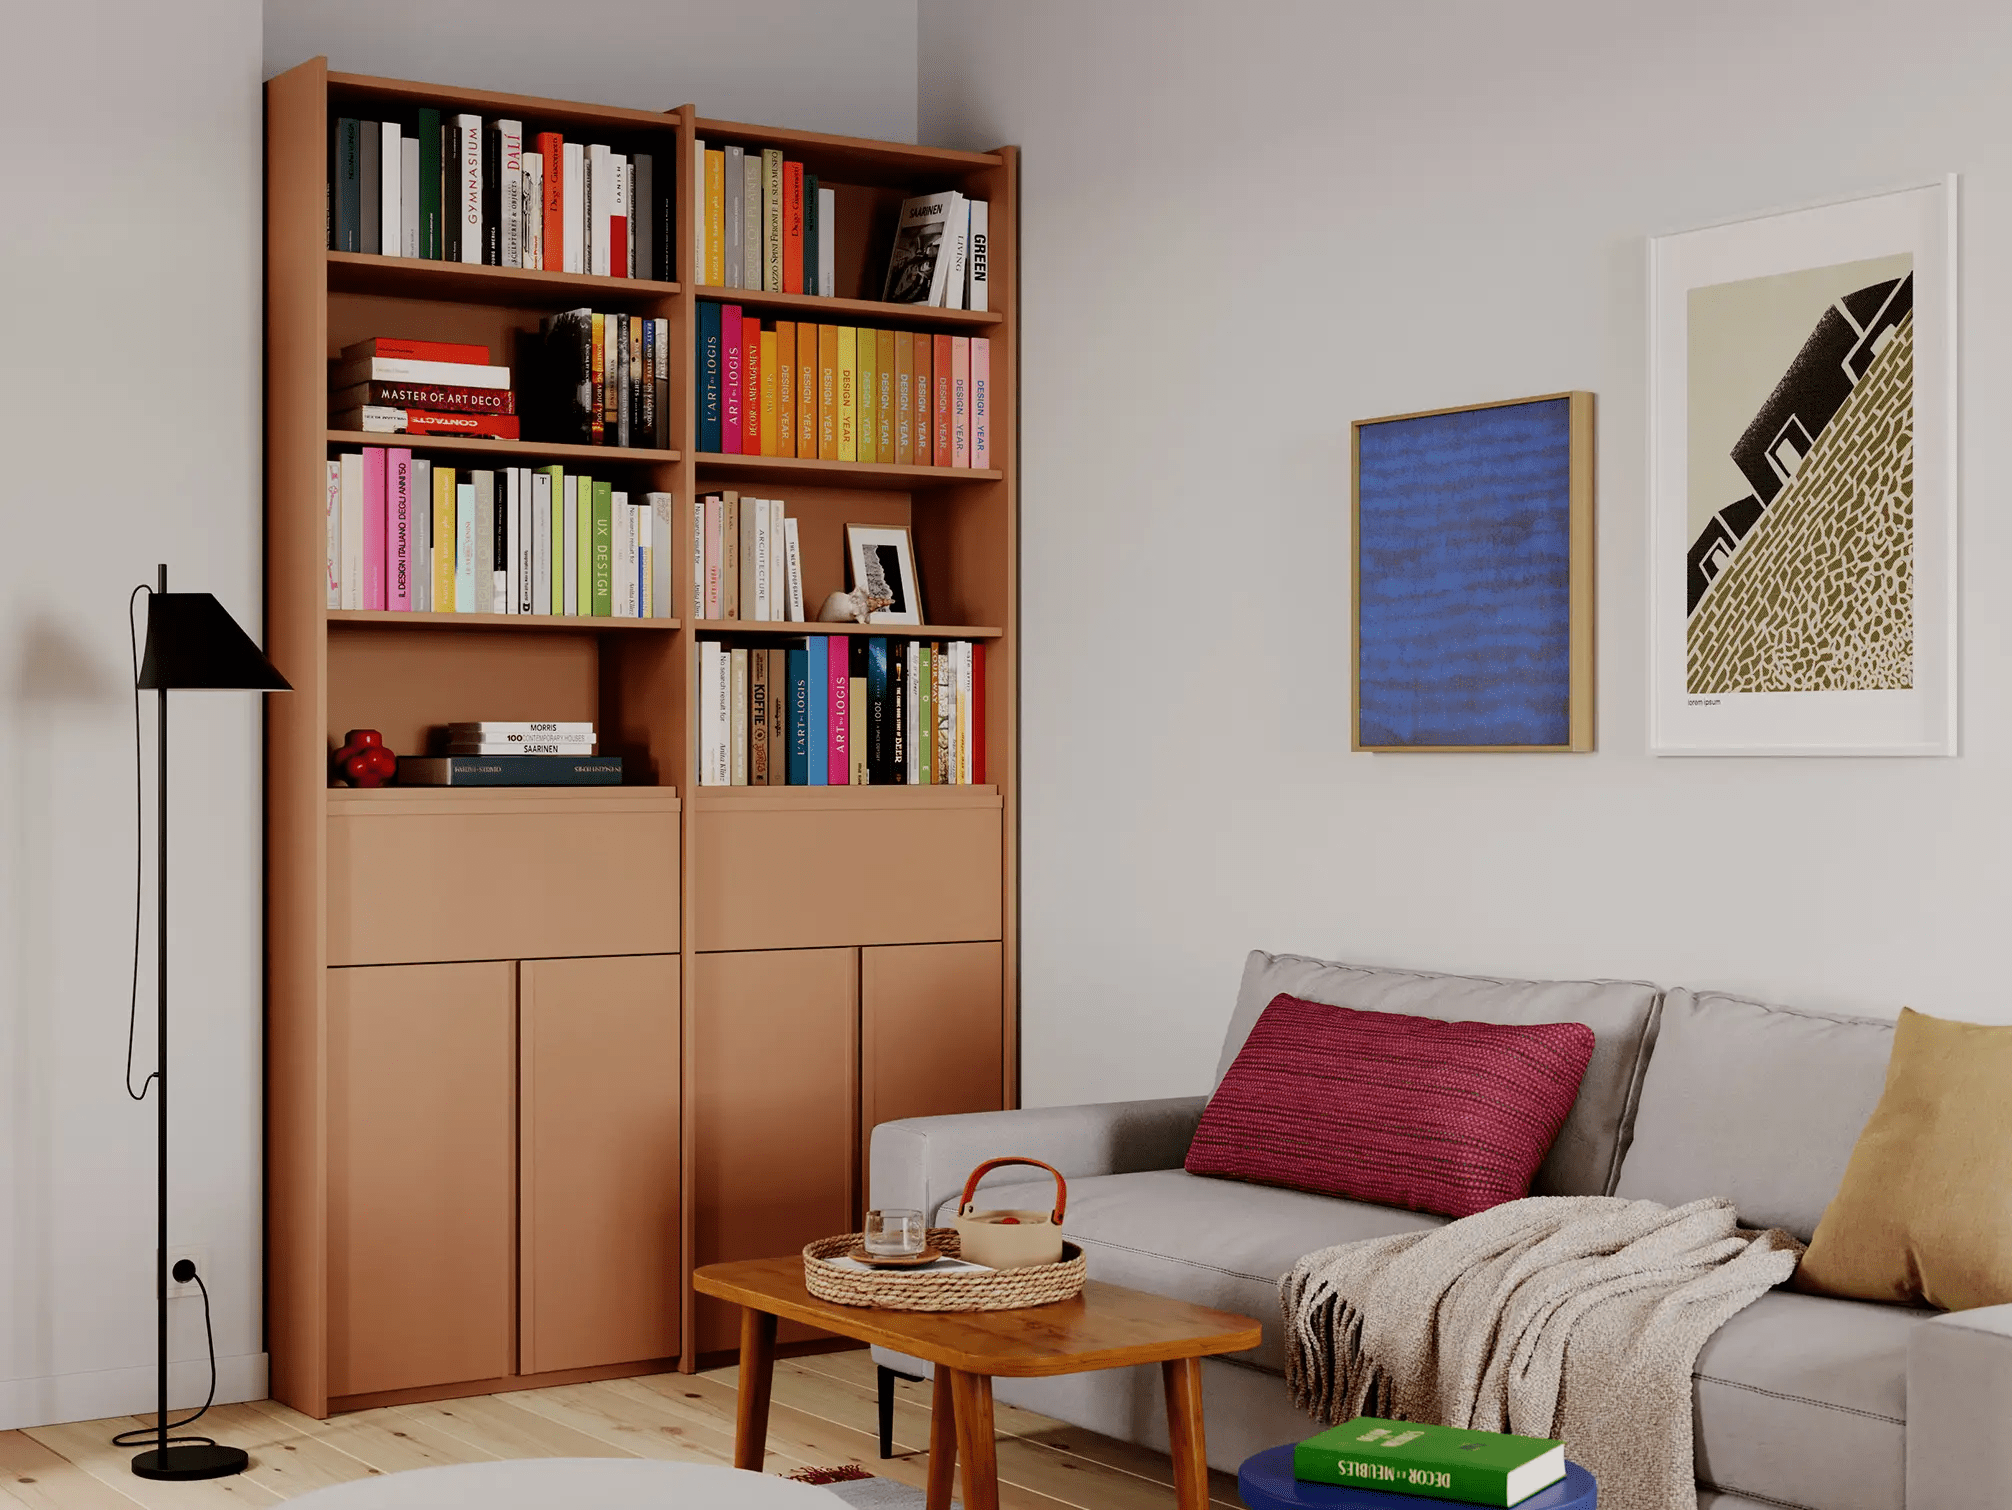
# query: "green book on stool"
1438,1462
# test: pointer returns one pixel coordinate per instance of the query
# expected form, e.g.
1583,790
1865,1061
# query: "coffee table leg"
942,1442
757,1375
973,1396
1183,1378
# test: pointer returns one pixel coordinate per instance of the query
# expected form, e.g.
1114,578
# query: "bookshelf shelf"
848,311
789,628
726,466
482,446
367,617
468,283
687,956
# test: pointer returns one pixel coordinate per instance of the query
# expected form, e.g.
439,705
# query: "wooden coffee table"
1104,1327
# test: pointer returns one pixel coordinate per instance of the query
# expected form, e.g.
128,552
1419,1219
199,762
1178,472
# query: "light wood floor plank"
386,1441
494,1424
88,1445
284,1458
661,1432
43,1479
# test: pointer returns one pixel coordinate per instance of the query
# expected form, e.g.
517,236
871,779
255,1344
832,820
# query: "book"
333,597
812,198
446,492
541,540
771,208
956,238
434,396
855,709
428,143
737,726
883,396
642,216
620,252
374,528
784,428
879,730
753,535
827,242
751,220
709,396
573,207
940,445
370,198
976,773
918,263
925,401
410,370
391,190
796,735
403,348
817,703
866,390
601,209
732,352
793,564
900,677
714,275
515,539
398,530
977,292
661,555
751,386
792,228
468,208
695,266
385,420
712,737
485,551
715,542
1437,1462
925,716
981,402
408,196
733,218
838,704
847,364
352,529
509,192
464,545
510,770
904,398
960,401
601,566
509,729
827,393
806,390
730,555
758,717
521,747
778,564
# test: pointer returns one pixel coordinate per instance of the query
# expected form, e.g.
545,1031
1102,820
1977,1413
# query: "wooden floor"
822,1415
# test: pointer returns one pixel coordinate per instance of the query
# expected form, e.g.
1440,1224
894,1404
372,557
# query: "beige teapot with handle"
1007,1239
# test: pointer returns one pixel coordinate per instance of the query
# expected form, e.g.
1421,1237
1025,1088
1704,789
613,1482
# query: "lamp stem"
161,1053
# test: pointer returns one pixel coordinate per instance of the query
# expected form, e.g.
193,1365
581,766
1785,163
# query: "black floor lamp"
191,642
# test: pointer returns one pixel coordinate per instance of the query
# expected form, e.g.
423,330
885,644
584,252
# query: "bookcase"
533,1054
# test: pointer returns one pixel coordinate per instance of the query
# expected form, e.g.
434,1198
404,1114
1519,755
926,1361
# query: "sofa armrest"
1959,1411
920,1163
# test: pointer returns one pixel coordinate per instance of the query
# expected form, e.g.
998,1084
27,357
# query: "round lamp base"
191,1460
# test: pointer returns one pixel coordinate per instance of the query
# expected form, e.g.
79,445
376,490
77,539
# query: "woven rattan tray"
969,1290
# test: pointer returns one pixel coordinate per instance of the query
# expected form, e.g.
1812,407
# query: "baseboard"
126,1391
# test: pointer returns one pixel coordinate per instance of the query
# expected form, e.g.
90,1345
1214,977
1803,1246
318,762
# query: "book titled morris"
510,770
1437,1462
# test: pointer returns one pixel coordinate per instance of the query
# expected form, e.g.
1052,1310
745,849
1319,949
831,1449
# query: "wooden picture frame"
1433,668
906,586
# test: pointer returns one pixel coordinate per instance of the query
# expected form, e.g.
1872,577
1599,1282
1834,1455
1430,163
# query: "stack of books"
393,386
941,253
842,710
515,754
761,222
461,189
842,392
604,379
408,535
1436,1462
746,563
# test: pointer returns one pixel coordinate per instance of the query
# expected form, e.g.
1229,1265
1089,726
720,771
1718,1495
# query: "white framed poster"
1803,483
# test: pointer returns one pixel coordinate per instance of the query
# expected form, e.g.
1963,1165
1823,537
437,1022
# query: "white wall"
848,68
129,298
1246,225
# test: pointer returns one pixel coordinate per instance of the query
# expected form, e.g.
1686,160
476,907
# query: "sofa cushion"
1756,1103
1218,1243
1802,1400
1452,1117
1622,1014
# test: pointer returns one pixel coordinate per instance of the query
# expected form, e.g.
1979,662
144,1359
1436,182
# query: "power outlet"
199,1254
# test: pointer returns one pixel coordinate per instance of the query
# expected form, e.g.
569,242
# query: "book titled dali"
1437,1462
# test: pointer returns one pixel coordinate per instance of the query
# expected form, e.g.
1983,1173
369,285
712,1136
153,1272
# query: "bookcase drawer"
423,876
801,868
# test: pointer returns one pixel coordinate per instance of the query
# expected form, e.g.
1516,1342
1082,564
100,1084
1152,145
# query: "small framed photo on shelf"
881,559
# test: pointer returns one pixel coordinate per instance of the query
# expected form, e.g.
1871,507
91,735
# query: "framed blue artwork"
1474,577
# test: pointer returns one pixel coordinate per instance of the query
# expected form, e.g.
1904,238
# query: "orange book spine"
883,398
785,388
827,393
806,391
939,373
751,383
925,405
904,399
960,401
769,425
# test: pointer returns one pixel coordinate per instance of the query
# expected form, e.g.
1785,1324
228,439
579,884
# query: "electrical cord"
185,1270
139,843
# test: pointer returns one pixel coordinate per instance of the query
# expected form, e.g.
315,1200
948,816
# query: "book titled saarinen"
1437,1462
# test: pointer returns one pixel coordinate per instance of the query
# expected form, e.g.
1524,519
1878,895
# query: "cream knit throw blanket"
1574,1317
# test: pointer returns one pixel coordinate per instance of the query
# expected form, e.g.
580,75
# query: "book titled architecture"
1437,1462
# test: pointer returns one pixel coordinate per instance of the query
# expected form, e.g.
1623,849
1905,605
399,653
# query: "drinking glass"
894,1233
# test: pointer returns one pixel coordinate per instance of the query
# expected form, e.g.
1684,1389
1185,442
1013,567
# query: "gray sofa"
1799,1400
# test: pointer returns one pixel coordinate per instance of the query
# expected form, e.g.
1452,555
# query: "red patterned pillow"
1452,1117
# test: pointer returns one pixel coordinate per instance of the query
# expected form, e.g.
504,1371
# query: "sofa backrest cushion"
1756,1103
1622,1014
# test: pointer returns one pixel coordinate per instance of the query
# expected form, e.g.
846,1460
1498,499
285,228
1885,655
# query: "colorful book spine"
817,719
716,204
867,394
981,402
429,184
334,560
603,548
810,237
883,396
751,386
960,401
797,762
904,398
806,390
373,529
398,530
855,710
925,403
880,766
848,393
827,393
925,716
940,444
792,228
772,206
838,702
443,537
977,653
732,353
784,428
709,376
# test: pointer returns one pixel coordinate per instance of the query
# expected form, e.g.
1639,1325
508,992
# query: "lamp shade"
192,641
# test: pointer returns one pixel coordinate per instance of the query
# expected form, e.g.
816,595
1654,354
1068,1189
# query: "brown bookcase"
532,1054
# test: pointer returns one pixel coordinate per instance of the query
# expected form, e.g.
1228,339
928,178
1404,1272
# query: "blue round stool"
1266,1483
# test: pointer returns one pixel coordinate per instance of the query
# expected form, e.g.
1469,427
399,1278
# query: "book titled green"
1438,1462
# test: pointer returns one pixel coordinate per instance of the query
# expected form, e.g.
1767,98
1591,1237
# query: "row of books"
407,535
842,710
842,392
393,386
941,254
604,379
459,189
762,222
747,562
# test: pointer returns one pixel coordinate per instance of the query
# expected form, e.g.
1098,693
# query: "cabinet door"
932,1032
422,1175
598,1179
776,1086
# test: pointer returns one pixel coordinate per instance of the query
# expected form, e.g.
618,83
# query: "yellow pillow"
1925,1210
